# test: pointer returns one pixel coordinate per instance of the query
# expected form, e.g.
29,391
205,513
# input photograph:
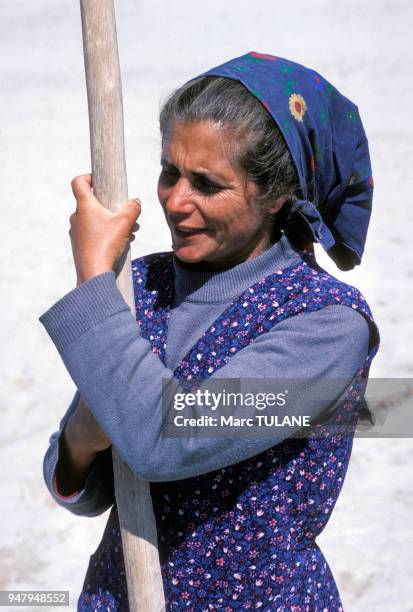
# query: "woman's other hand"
83,432
81,440
98,236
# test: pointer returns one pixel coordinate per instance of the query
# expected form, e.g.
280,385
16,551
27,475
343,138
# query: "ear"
276,205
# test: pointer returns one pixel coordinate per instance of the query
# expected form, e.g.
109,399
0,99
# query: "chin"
189,255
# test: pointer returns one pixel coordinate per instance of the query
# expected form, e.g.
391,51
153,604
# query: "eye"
168,176
207,187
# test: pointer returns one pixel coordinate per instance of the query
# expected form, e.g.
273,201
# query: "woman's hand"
81,440
83,432
98,236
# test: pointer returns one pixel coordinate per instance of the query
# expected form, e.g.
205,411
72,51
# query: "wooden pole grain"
104,92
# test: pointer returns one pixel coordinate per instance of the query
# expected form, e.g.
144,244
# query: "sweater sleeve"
98,492
120,376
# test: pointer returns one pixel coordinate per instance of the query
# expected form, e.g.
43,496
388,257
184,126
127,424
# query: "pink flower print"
220,562
185,595
299,485
279,579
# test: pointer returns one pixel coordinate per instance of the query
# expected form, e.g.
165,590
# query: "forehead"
198,145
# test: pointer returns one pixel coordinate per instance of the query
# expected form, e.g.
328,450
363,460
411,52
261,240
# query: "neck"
192,284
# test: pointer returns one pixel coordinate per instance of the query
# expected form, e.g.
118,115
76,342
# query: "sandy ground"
364,48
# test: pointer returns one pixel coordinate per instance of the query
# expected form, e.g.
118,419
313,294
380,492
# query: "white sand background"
364,47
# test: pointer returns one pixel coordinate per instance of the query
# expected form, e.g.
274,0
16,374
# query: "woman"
260,158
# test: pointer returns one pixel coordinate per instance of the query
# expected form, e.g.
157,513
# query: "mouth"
187,232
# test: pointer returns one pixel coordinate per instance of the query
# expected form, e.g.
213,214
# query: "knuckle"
124,218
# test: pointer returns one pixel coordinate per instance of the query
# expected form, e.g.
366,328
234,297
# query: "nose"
179,198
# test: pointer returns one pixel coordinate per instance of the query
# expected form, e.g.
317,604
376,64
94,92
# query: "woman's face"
200,190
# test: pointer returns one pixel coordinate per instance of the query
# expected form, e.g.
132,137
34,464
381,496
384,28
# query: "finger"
82,188
137,203
130,212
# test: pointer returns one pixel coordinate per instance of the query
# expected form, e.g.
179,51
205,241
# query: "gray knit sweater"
115,370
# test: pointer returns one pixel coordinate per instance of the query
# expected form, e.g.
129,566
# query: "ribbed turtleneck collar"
223,285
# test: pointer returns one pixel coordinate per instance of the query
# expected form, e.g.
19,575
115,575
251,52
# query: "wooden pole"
104,90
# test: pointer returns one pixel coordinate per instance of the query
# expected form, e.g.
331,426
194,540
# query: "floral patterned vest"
242,537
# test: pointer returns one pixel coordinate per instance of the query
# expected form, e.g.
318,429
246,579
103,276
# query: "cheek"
226,207
238,215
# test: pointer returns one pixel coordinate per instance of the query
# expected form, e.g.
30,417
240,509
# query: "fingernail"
137,200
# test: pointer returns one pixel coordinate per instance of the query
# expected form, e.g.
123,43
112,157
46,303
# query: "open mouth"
187,232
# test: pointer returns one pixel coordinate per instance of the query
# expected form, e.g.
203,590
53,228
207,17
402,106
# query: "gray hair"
258,147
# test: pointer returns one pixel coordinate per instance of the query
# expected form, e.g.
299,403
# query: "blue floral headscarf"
326,139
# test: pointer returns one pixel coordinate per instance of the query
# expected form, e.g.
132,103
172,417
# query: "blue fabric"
325,136
245,533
